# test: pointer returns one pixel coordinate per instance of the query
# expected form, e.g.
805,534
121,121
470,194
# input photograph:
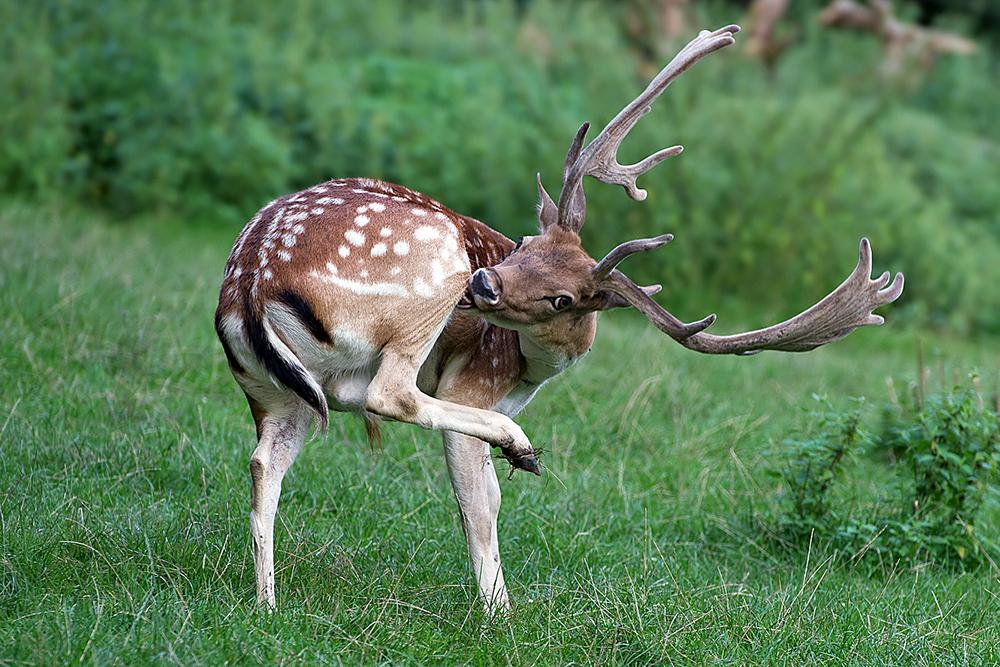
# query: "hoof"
528,463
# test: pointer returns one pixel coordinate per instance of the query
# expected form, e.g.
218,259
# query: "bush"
209,110
943,452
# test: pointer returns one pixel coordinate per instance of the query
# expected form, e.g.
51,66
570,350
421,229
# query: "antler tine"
839,313
625,250
599,159
620,284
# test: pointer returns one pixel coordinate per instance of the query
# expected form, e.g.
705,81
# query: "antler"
846,308
599,159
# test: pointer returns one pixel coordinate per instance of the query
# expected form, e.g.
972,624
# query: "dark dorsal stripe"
306,315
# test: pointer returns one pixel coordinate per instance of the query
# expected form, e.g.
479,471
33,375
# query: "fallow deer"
361,296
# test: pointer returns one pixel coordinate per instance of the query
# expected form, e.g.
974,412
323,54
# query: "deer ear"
608,300
548,213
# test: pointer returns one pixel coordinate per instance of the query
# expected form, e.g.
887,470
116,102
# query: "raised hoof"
526,462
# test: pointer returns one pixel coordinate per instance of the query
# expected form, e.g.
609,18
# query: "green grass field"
124,495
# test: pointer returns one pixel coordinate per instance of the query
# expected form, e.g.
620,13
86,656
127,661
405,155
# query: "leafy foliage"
944,454
208,110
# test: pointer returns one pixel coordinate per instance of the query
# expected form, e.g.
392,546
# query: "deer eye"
561,302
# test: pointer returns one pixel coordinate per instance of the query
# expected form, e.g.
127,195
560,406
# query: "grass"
124,495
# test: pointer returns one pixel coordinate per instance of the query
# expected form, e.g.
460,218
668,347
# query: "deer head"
549,279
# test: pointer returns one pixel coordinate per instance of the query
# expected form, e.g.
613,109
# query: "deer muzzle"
485,289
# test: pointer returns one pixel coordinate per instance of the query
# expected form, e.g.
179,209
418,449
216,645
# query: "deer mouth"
466,302
482,292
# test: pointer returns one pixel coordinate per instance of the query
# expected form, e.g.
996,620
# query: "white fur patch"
422,288
419,212
426,233
355,238
361,220
344,251
401,248
372,289
379,249
385,232
377,207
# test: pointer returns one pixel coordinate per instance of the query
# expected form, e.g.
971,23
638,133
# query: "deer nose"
485,287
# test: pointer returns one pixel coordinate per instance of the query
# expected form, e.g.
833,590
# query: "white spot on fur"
377,207
330,200
288,240
450,244
297,217
331,267
375,289
440,216
395,271
317,211
426,233
379,249
385,232
363,274
401,248
419,212
344,251
437,272
362,209
355,238
285,255
267,274
422,288
361,220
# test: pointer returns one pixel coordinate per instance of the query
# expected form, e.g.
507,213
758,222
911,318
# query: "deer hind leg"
279,439
477,490
393,394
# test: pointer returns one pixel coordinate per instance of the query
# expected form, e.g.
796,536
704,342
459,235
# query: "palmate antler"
843,310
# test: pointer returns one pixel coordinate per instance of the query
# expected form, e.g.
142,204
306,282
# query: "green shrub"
943,454
208,110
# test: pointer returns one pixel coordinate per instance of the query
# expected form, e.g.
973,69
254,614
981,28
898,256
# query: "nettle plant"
944,451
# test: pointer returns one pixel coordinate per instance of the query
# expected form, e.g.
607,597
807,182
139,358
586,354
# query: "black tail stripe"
306,315
276,365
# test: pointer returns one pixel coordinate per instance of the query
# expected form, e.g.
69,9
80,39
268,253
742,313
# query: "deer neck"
548,351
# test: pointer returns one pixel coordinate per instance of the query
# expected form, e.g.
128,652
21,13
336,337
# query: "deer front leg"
279,442
474,480
393,394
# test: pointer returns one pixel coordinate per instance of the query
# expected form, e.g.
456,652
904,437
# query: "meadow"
124,494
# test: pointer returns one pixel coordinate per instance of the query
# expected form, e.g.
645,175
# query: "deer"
366,297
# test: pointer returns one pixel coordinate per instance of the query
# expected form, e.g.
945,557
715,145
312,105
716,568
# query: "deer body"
362,296
326,286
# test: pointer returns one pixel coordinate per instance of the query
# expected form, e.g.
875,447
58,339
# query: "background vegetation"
693,509
207,110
